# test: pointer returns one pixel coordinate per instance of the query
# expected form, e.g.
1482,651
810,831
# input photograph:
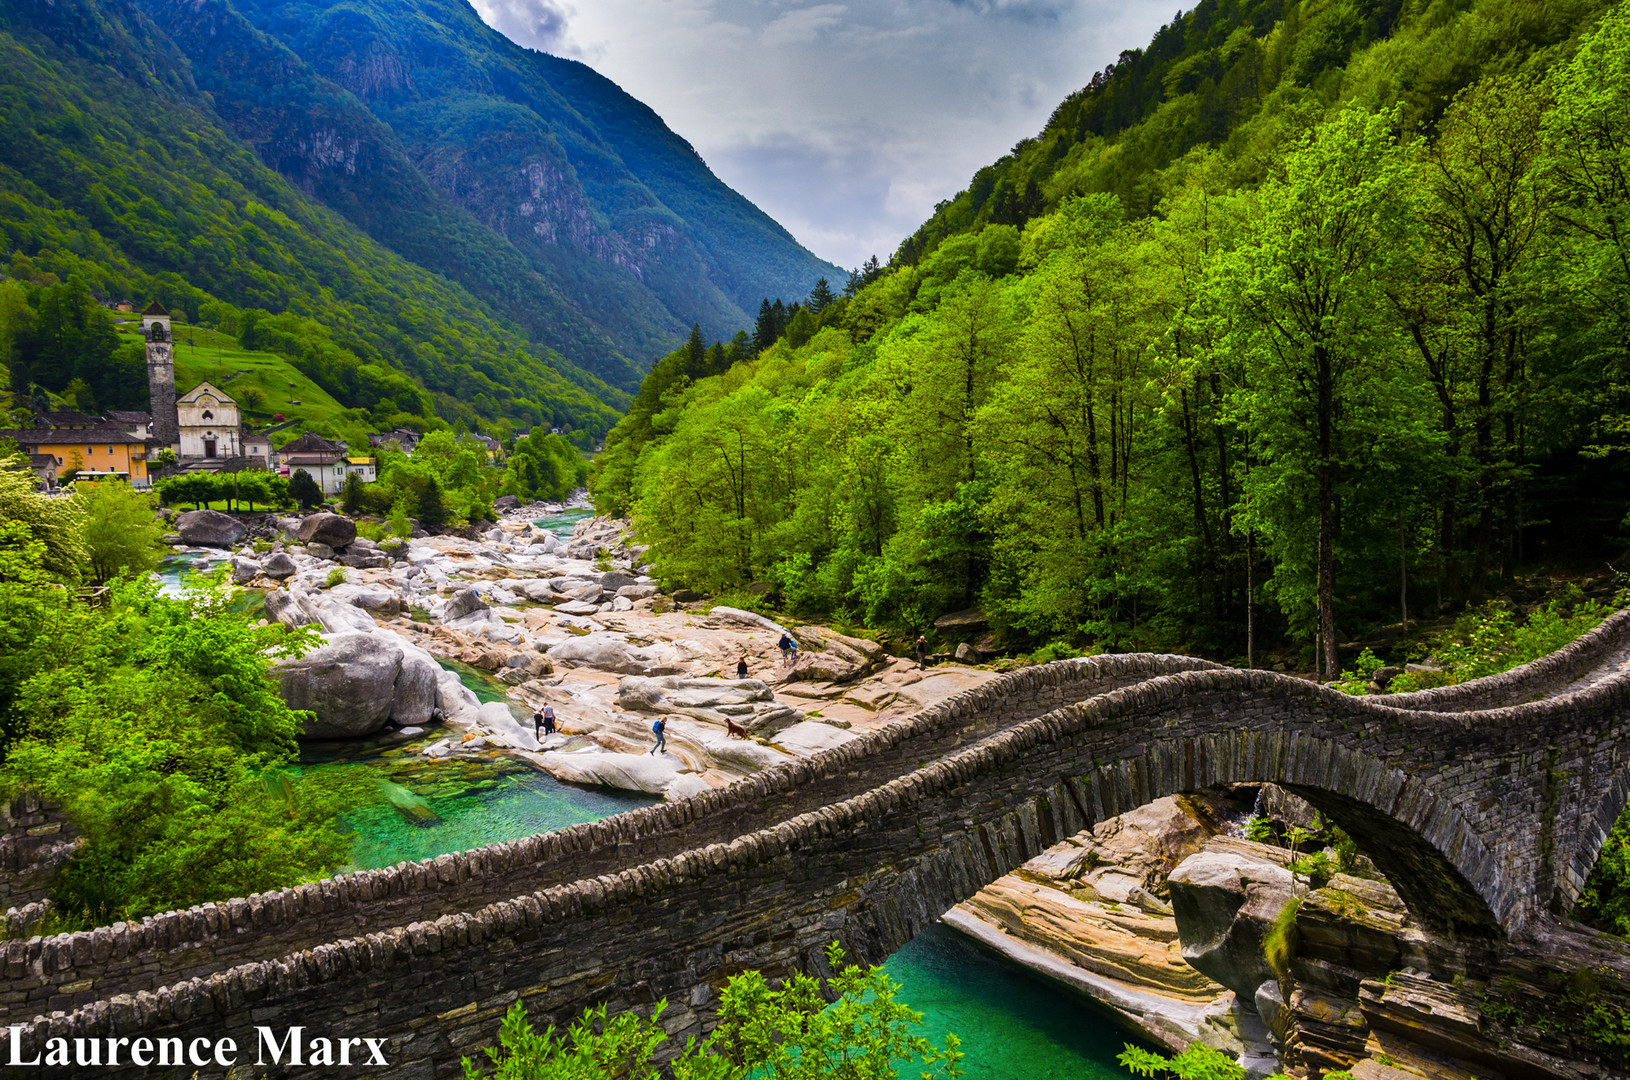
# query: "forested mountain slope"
631,235
151,149
1310,317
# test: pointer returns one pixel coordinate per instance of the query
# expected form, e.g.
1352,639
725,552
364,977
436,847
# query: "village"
204,430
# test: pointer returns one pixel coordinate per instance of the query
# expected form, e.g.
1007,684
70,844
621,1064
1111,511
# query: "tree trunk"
1327,510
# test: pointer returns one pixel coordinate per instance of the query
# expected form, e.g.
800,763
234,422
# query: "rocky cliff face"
396,117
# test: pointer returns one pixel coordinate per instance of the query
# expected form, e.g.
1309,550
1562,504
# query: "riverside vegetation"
149,720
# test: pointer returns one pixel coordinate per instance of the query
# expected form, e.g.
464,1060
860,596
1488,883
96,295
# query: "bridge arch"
1483,818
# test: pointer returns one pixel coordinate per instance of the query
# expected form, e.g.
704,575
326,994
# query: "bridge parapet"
1482,819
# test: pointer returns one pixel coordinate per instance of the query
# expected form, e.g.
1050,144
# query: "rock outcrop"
357,682
210,528
335,530
1226,902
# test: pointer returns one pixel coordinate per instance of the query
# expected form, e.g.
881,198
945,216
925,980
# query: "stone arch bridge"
1485,804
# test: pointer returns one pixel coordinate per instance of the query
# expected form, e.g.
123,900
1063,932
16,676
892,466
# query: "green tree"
785,1033
1309,288
351,494
432,508
56,526
153,724
121,534
304,489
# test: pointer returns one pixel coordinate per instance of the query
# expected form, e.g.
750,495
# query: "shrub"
767,1033
335,577
305,490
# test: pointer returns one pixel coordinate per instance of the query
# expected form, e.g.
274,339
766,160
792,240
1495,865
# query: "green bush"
766,1033
153,724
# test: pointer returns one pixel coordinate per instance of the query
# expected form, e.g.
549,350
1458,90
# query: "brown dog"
735,729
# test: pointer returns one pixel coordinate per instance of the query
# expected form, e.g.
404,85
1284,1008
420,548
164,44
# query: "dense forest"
1307,318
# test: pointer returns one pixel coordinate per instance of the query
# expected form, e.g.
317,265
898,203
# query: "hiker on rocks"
659,729
741,667
789,649
922,651
547,717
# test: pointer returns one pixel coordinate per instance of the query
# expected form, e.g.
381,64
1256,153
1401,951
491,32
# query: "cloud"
845,122
537,24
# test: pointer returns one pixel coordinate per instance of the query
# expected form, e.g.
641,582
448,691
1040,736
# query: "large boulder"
244,570
279,565
679,694
506,503
612,580
349,685
834,657
335,530
962,623
608,652
210,528
464,603
1226,902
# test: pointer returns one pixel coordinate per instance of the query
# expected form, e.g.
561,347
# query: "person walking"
922,651
787,647
741,667
658,729
548,719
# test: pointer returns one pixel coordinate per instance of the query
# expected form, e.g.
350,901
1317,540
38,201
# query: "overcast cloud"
846,122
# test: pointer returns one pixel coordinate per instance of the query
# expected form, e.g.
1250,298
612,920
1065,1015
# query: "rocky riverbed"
1163,916
565,622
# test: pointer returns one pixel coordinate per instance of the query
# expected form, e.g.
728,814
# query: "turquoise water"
1013,1026
416,807
172,567
562,524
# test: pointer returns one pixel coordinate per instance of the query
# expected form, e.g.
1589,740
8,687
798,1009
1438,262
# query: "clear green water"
420,808
562,524
1012,1025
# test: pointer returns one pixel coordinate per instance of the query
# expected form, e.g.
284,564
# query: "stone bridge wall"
35,841
1461,810
73,970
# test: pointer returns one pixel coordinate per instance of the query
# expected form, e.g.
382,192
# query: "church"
204,424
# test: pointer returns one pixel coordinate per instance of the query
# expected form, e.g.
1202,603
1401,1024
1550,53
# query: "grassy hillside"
205,355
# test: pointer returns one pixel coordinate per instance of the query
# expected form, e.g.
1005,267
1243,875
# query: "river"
1013,1026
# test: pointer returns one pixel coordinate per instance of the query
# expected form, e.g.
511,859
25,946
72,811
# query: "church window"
208,415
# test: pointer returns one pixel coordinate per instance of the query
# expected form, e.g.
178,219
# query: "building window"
208,415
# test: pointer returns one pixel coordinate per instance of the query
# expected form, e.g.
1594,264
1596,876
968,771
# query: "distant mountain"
419,214
603,232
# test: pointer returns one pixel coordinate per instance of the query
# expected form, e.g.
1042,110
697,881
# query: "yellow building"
98,451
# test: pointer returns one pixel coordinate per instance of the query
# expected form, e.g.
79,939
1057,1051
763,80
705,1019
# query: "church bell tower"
155,326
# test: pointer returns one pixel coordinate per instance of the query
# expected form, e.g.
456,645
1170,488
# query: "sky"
846,122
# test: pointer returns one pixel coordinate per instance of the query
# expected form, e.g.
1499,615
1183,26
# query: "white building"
209,424
325,461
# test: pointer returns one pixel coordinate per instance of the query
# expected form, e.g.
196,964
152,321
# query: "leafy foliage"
1126,418
768,1033
121,534
153,724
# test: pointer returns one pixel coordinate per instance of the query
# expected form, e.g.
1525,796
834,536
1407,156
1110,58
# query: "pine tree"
820,297
765,330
